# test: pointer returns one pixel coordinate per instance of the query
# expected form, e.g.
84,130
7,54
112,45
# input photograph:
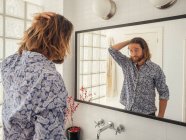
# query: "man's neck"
140,63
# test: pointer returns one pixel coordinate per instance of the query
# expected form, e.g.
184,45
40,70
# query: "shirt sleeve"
160,83
49,114
121,59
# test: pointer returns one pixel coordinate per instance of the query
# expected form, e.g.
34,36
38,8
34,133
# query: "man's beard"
137,59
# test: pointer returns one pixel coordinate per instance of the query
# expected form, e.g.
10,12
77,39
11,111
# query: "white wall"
137,128
54,6
38,2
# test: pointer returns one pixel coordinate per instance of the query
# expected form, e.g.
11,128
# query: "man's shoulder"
52,75
152,65
9,60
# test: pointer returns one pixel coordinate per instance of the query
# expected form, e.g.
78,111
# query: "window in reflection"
1,25
87,40
87,82
95,67
1,48
92,63
95,80
96,40
87,67
87,51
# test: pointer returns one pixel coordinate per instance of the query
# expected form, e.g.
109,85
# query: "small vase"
73,133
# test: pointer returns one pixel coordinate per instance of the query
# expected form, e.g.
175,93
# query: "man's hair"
49,37
143,44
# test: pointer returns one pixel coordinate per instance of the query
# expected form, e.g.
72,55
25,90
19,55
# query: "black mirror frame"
117,26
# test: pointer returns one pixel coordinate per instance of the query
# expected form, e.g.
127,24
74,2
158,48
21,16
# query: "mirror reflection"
141,78
100,78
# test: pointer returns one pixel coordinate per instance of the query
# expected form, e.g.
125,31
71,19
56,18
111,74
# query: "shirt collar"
29,57
148,62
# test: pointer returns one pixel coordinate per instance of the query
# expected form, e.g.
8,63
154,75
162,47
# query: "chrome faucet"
109,125
120,129
99,123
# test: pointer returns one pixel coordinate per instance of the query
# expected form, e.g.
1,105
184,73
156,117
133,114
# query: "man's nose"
133,53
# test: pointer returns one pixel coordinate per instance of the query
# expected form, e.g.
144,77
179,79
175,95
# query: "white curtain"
111,74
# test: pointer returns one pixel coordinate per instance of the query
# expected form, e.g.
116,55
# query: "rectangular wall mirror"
99,79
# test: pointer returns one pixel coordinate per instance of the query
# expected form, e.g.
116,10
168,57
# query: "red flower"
72,105
70,110
84,95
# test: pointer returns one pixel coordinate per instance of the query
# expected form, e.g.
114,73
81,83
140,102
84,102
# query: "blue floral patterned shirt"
138,91
34,98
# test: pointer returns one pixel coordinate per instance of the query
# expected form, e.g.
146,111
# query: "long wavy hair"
143,44
49,37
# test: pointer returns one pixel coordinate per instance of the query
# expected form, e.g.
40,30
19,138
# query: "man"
141,77
34,92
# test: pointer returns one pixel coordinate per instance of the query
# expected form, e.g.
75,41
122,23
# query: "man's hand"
47,15
162,107
120,45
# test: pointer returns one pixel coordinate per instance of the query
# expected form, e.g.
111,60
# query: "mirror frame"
117,26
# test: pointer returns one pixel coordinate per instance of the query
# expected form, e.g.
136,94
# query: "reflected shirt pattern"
34,98
138,89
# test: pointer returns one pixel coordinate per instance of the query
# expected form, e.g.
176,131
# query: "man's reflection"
141,77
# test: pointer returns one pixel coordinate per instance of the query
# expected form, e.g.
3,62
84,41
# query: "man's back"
27,83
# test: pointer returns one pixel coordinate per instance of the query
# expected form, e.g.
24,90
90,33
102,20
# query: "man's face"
136,52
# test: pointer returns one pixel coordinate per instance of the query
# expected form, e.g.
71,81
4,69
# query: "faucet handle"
99,123
120,129
111,125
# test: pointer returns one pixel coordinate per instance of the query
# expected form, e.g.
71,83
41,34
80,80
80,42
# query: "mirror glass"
99,78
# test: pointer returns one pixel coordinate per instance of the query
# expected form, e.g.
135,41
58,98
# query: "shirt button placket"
135,86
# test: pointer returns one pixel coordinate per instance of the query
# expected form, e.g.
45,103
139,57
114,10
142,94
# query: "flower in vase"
84,95
72,105
70,110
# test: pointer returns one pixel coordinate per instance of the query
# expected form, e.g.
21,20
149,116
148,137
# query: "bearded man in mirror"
141,78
